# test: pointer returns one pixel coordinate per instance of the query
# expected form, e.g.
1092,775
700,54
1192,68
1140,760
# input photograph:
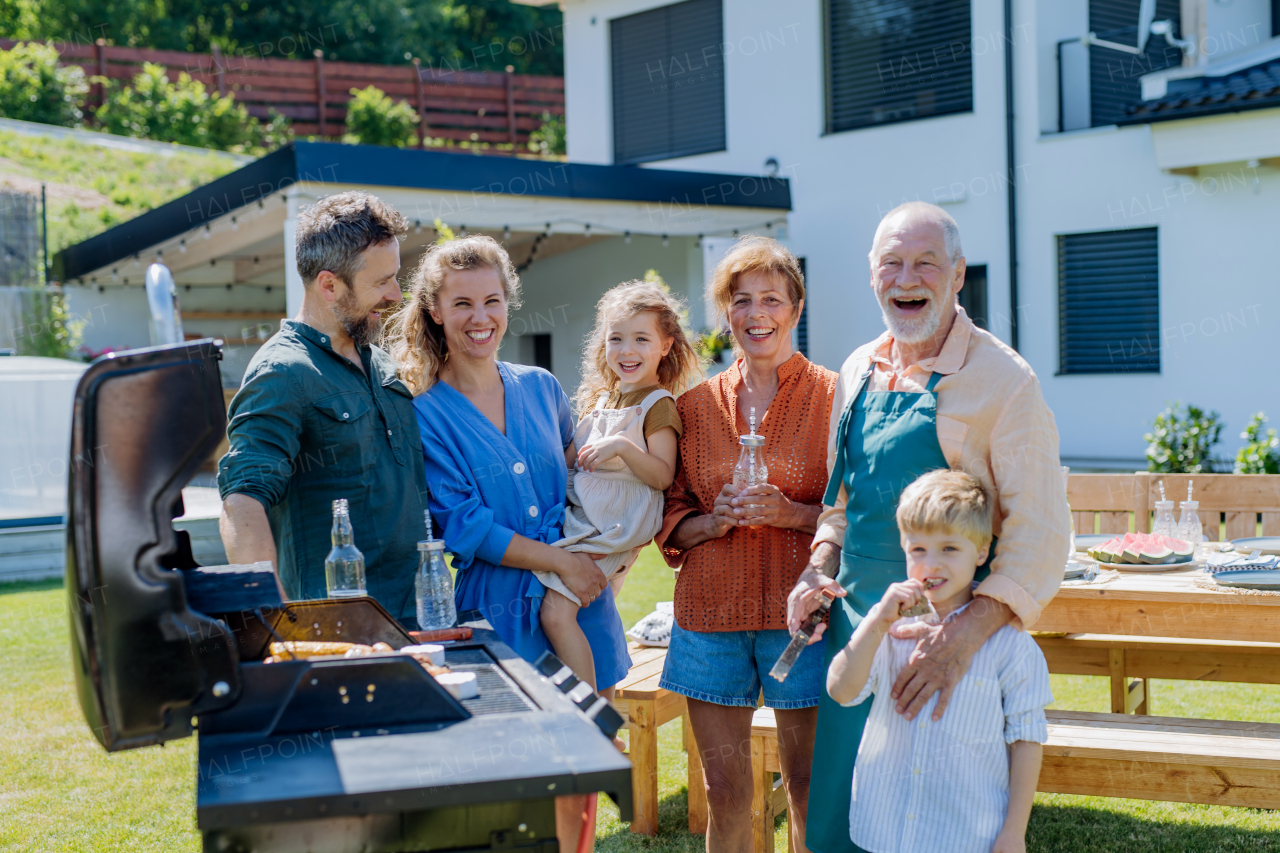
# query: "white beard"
913,331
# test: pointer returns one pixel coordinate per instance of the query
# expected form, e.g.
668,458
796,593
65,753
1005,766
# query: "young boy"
965,782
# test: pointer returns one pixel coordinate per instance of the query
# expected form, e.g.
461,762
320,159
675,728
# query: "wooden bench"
646,706
1162,758
1214,762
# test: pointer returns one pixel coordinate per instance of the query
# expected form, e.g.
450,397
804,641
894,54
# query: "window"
897,60
535,350
1109,302
668,82
973,296
1114,76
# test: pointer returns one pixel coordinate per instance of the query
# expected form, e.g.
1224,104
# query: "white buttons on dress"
533,512
518,468
345,415
323,339
388,432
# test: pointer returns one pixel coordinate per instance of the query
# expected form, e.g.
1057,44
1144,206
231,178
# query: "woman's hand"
582,576
590,457
723,517
765,506
803,600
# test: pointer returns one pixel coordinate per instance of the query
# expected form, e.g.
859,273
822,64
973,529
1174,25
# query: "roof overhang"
244,212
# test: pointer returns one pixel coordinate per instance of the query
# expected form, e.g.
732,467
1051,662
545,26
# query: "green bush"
549,139
49,329
33,87
1182,443
1260,455
373,118
154,107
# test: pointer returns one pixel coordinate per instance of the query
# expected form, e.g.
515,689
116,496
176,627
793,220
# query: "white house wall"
1212,226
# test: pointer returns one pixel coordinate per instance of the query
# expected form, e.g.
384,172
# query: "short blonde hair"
947,502
413,339
754,253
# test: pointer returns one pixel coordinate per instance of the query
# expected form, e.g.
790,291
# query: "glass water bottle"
1189,527
344,567
433,586
1164,525
751,470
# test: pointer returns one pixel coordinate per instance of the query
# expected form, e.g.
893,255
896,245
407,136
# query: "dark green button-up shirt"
308,427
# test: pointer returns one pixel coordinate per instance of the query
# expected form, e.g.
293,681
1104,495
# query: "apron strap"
933,381
836,480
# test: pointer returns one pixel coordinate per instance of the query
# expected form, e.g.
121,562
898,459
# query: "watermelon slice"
1156,553
1131,550
1182,549
1107,552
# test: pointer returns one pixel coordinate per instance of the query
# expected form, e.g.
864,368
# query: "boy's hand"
898,597
1009,842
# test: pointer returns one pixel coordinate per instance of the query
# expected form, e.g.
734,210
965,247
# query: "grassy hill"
91,187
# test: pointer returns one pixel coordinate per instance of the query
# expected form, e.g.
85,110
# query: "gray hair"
335,231
931,212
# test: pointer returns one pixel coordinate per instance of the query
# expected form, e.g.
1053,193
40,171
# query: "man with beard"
933,392
321,415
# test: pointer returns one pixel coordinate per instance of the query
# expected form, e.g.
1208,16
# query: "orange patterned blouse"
740,582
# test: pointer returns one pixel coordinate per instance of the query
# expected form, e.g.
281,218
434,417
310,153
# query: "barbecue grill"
359,754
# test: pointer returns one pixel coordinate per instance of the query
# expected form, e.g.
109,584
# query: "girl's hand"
897,597
722,518
603,450
582,576
764,506
1010,842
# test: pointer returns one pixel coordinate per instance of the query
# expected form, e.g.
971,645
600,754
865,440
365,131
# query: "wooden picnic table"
1166,604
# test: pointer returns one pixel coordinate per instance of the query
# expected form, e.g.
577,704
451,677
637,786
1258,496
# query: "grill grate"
498,693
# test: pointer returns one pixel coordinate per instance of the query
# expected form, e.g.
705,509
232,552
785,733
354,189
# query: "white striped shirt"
922,785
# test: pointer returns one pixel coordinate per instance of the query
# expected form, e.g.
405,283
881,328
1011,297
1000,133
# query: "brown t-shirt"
661,415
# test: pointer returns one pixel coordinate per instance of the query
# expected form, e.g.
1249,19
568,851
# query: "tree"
445,35
1182,443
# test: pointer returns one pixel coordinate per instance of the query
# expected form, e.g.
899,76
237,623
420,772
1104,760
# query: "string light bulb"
115,274
235,226
586,230
506,233
417,226
182,246
208,232
626,237
463,231
665,242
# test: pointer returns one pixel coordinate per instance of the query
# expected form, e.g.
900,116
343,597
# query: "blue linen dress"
486,487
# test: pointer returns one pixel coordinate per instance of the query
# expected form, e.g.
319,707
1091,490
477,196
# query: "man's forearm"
982,618
825,559
246,533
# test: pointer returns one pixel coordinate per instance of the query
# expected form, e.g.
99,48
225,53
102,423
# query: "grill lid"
144,662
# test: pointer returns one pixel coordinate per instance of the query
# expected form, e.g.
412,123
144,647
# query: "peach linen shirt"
993,423
740,581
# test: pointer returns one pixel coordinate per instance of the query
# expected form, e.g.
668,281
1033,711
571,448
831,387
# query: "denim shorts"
730,667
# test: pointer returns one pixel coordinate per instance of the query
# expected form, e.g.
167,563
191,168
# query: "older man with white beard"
934,391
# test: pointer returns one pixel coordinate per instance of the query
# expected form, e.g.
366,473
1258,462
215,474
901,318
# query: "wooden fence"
477,106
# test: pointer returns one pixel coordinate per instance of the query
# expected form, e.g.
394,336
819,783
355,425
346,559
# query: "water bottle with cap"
433,586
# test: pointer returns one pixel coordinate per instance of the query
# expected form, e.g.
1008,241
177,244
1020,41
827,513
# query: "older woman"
496,439
741,552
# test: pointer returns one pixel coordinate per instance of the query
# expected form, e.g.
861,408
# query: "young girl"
635,360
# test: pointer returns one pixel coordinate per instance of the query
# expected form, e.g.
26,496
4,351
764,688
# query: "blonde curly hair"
679,370
416,341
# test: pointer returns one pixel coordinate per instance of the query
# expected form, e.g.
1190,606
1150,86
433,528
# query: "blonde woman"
497,438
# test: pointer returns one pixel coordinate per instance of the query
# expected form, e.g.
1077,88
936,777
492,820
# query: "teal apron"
885,440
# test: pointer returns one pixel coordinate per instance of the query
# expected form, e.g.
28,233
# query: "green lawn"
59,791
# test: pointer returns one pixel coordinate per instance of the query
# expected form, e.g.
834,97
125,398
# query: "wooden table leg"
643,724
1119,687
697,784
761,800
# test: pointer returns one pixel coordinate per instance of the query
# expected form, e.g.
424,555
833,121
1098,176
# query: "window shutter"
1109,302
1115,76
668,82
897,60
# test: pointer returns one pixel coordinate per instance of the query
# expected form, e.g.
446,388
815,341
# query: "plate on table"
1249,578
1268,545
1147,568
1085,541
